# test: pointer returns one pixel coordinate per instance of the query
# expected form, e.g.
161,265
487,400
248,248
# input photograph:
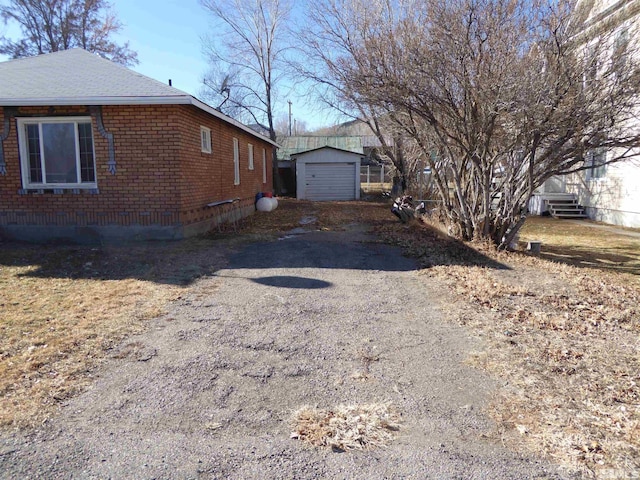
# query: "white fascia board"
45,102
163,100
212,111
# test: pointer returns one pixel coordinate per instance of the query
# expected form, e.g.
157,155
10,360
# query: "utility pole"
290,117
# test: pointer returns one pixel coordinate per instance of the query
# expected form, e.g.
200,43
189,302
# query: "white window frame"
24,153
236,162
250,156
264,165
620,50
596,171
205,139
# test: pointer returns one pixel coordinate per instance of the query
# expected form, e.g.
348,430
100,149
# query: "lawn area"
561,336
585,244
560,332
64,308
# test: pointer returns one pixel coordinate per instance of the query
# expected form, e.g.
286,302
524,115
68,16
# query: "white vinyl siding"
264,165
236,162
250,156
57,152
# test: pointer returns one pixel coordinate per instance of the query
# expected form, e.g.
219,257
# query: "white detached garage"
327,173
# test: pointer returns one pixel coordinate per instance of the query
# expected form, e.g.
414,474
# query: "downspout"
96,111
9,113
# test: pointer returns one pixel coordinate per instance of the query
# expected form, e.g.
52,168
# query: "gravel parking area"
314,319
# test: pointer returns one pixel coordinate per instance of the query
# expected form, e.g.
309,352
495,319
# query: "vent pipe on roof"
170,83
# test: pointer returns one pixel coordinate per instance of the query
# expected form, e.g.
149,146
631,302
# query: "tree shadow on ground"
181,262
172,263
431,247
421,246
289,281
617,259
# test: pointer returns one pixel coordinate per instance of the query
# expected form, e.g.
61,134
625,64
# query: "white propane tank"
264,205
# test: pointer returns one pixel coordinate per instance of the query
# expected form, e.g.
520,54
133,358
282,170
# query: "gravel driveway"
319,319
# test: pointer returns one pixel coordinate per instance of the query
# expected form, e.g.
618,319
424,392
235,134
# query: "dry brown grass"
569,359
585,246
321,215
565,340
65,308
347,427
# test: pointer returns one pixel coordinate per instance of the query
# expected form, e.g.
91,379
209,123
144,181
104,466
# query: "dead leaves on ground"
569,359
347,427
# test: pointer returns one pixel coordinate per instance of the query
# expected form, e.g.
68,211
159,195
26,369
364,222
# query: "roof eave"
304,152
209,109
158,100
45,102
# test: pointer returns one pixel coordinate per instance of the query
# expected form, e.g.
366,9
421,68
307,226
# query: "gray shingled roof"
78,77
75,74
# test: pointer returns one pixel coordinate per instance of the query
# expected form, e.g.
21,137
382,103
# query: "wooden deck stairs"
564,205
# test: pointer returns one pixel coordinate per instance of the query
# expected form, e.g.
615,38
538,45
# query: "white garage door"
330,181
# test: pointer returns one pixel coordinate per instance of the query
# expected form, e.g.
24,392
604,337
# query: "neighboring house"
90,150
607,193
327,173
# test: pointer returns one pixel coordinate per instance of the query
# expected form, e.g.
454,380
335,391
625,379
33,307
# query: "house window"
264,165
236,162
57,152
205,139
620,51
595,163
250,156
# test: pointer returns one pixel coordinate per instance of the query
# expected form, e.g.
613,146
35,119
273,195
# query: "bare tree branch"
499,95
52,25
248,45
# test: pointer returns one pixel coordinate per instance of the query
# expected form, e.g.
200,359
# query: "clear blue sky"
166,34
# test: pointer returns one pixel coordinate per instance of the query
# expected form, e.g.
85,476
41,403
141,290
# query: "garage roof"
291,146
299,154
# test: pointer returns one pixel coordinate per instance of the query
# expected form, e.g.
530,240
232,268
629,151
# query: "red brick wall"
162,177
208,178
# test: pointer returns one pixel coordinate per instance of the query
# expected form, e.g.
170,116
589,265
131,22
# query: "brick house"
92,151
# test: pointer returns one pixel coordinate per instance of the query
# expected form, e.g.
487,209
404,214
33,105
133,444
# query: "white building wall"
615,197
326,156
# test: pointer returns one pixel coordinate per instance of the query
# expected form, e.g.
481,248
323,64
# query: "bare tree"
248,49
52,25
281,125
499,95
328,40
